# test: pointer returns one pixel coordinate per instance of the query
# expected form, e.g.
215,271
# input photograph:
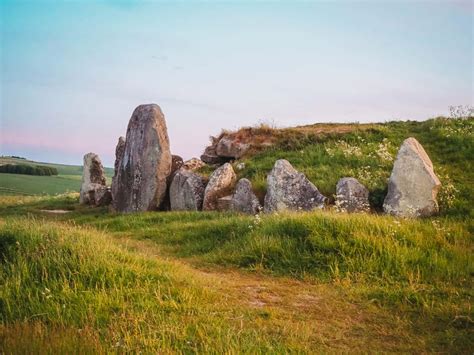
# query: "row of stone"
287,190
148,177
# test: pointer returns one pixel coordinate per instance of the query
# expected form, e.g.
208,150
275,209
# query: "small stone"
93,179
352,196
287,189
244,199
187,191
220,184
193,164
231,147
210,156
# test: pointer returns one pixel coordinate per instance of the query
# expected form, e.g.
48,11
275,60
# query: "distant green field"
69,179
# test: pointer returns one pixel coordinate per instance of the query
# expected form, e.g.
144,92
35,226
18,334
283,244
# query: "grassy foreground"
209,282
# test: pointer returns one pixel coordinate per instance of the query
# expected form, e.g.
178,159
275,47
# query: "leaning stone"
220,184
244,199
93,177
146,163
413,185
287,189
352,196
187,191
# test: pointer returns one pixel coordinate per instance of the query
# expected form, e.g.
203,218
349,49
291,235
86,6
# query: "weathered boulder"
210,156
119,149
220,184
187,191
413,185
231,147
287,189
93,179
146,163
244,199
352,196
193,164
224,203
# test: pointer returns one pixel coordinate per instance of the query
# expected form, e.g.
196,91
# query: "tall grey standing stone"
352,196
287,189
119,150
244,199
187,191
220,184
94,190
413,185
146,163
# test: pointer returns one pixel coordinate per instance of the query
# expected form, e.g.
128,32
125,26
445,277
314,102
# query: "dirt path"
323,315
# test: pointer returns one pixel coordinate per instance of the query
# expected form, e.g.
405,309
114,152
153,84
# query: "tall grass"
76,282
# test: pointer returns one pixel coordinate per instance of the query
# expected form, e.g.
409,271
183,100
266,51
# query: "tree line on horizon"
25,169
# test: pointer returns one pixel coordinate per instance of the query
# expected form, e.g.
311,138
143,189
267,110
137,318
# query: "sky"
73,72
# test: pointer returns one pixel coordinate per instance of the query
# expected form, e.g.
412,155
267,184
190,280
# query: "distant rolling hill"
68,179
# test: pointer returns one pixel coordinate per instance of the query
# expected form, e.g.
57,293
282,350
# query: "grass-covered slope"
327,153
67,180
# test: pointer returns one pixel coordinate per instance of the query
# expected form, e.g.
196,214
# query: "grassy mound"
326,153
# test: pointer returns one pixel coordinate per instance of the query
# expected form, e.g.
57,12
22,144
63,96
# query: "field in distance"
67,180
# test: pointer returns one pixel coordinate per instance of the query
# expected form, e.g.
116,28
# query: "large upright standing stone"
287,189
146,162
94,190
119,150
220,184
413,185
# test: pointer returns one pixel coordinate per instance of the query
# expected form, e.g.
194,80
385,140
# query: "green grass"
367,153
68,180
15,184
95,281
416,271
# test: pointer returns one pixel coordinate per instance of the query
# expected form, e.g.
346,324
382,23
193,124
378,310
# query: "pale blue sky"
72,72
